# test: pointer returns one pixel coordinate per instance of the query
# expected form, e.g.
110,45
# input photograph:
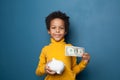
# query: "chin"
57,40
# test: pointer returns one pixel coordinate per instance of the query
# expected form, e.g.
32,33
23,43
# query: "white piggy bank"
56,65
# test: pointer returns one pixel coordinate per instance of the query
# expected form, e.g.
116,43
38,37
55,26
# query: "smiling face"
57,29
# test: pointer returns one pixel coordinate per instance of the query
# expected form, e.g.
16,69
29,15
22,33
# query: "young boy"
57,25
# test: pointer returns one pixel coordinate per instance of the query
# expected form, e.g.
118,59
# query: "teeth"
57,35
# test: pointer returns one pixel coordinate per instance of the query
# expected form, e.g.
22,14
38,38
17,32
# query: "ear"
48,32
65,33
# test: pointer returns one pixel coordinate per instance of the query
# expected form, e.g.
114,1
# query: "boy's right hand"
48,70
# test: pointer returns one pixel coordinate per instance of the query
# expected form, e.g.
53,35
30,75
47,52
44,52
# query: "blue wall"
95,25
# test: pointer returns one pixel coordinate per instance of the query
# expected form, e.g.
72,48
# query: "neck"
57,42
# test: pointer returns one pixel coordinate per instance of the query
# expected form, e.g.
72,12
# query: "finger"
86,57
48,68
86,54
50,72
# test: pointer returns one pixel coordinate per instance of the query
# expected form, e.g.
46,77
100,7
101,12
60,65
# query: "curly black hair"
57,14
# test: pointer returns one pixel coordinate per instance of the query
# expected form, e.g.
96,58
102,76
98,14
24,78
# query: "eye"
62,27
53,27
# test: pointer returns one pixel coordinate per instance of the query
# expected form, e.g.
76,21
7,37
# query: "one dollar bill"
74,51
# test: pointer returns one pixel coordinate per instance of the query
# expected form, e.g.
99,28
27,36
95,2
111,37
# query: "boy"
57,25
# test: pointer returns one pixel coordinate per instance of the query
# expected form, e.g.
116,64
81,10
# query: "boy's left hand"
86,57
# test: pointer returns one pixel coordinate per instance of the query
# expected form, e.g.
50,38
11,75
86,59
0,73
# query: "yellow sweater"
57,50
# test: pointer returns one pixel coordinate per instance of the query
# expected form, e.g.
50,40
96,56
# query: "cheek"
52,31
63,31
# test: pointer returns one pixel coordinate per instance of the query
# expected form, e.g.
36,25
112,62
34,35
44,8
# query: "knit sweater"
57,50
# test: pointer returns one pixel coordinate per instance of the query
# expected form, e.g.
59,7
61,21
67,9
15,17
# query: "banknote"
74,51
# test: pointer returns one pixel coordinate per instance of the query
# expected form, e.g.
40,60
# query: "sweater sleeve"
41,65
77,68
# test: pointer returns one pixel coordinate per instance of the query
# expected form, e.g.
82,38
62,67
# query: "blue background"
95,25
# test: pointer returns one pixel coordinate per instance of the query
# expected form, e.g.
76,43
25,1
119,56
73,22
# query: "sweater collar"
58,42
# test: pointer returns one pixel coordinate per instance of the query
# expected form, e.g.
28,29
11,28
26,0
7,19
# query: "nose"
57,30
